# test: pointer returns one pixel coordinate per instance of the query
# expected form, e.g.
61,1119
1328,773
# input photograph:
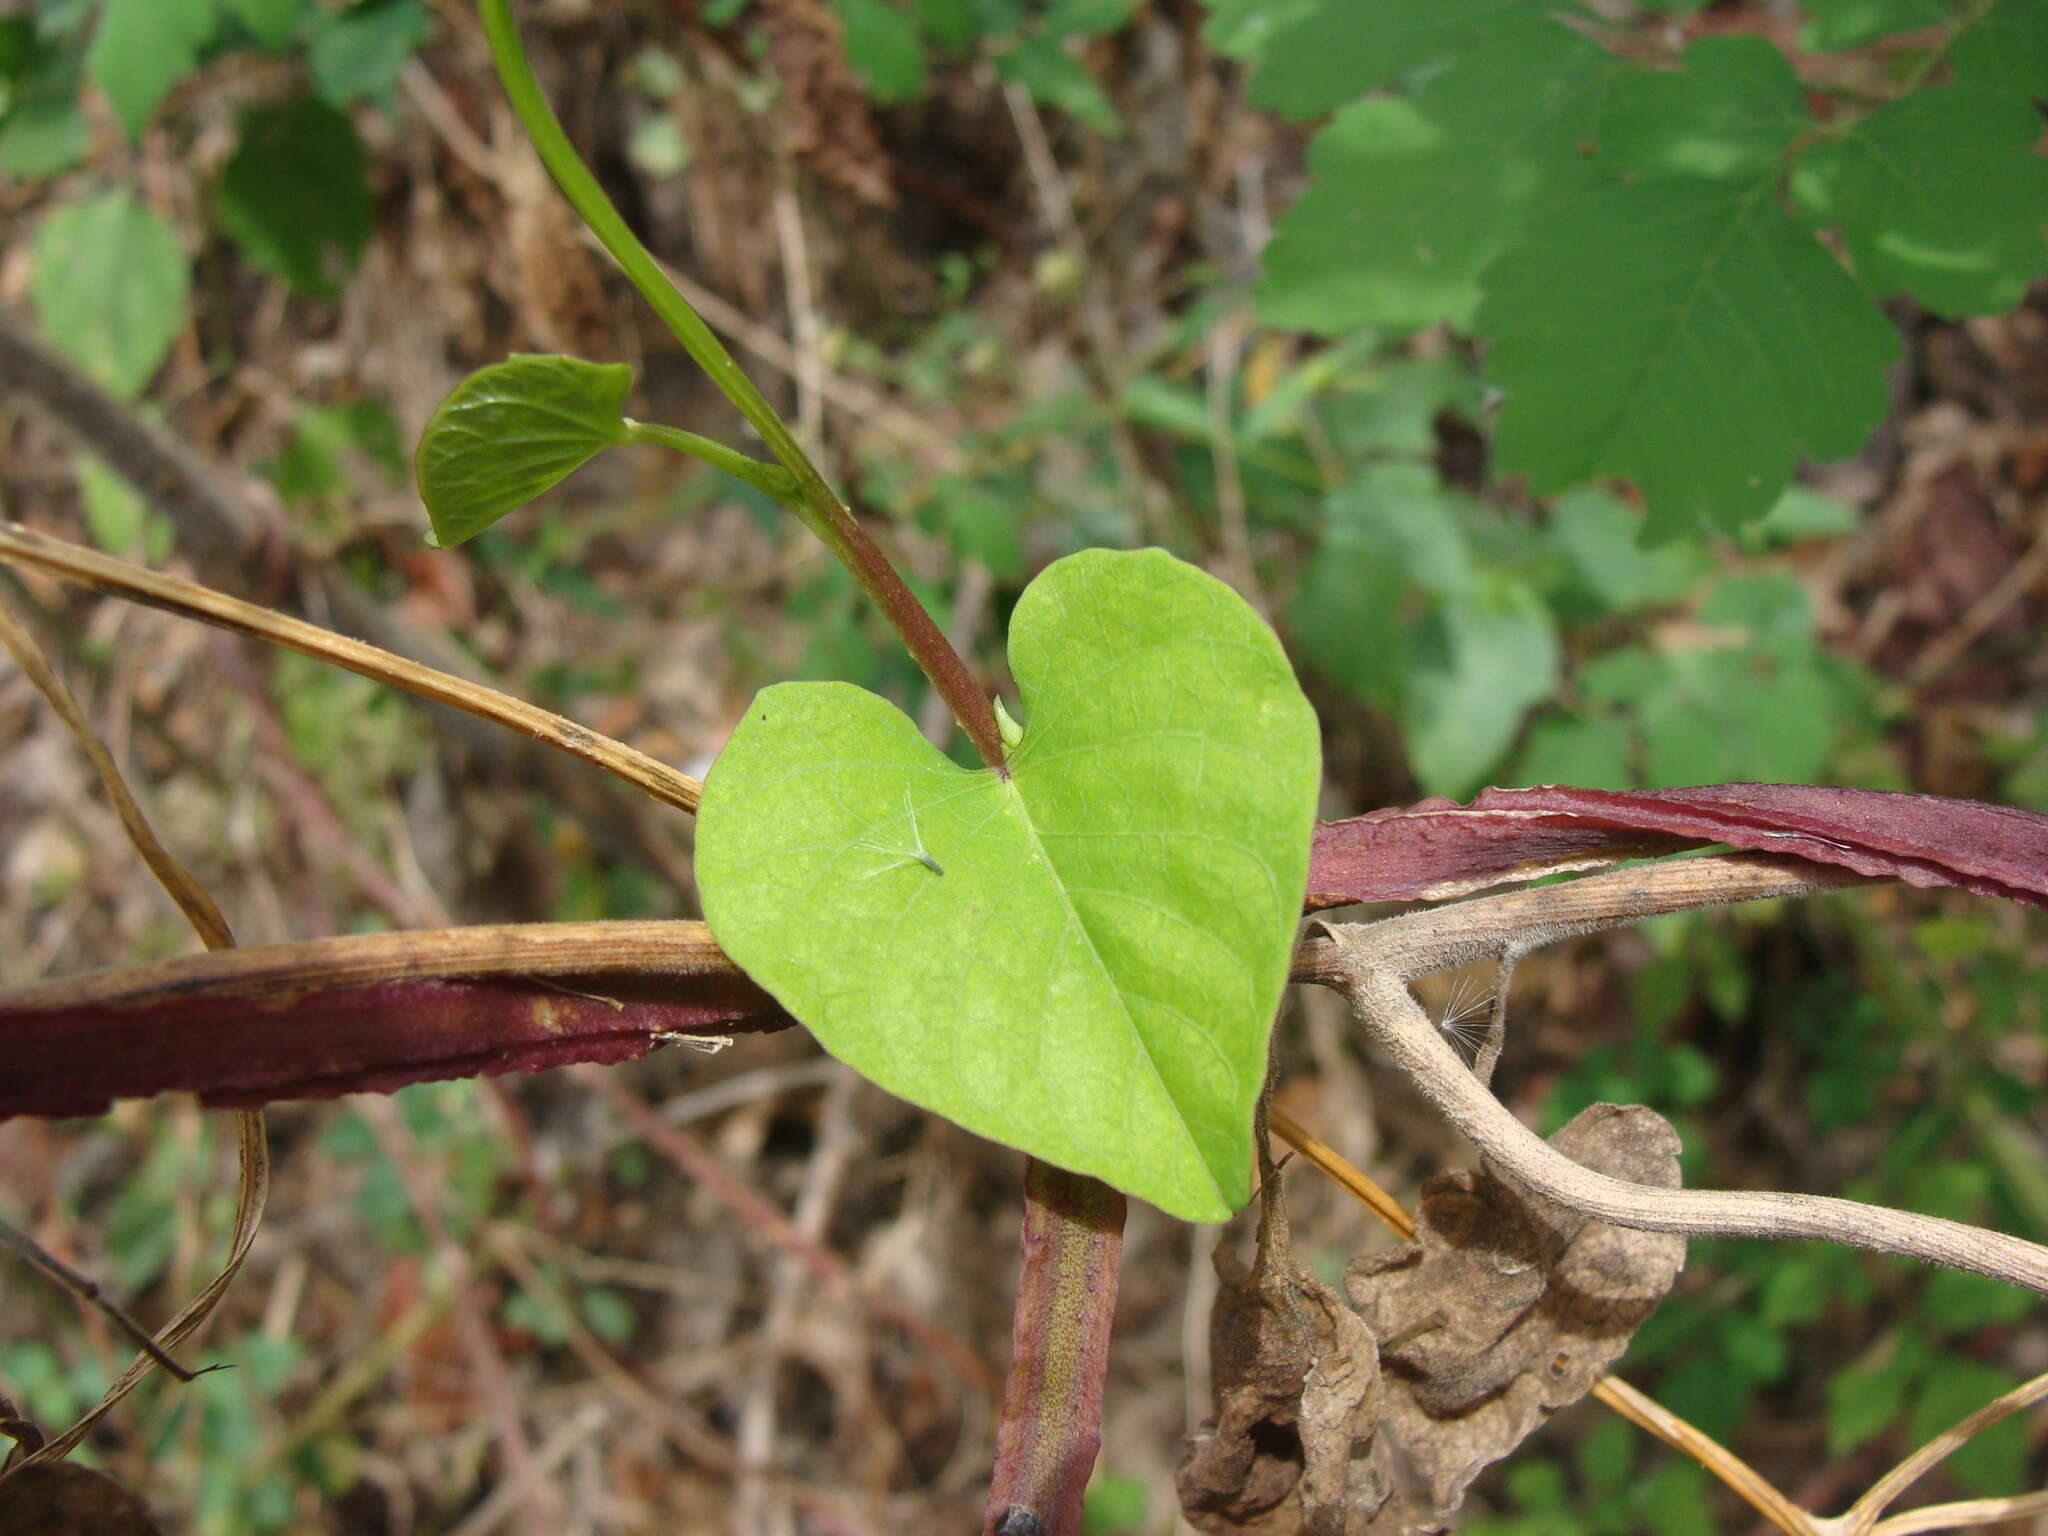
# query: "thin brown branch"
1642,1411
117,578
1373,965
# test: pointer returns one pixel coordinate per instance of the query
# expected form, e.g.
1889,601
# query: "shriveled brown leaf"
1298,1397
1507,1307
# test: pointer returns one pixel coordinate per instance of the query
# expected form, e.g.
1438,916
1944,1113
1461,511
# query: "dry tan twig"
117,578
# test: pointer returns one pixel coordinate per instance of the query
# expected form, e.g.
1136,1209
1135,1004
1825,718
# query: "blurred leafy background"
1632,395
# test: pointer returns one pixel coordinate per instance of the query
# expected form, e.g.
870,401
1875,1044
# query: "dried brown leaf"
1507,1306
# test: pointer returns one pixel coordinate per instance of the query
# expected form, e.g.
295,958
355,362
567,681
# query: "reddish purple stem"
1059,1352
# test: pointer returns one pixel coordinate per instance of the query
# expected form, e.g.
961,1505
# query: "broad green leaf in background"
1939,195
1838,24
1588,751
1728,112
42,131
2005,49
270,22
1338,50
1687,335
1087,966
1084,18
510,431
1055,79
295,195
884,48
1394,528
1477,668
109,284
1597,531
1240,29
357,53
1412,197
141,49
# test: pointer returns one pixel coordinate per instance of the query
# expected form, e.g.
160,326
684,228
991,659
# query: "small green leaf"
1478,667
357,53
295,195
1726,345
1053,79
110,284
510,431
1728,112
1938,194
884,48
1598,531
42,132
1994,1462
1081,958
142,48
270,22
1084,18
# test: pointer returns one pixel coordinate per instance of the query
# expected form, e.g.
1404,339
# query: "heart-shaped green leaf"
1081,959
510,431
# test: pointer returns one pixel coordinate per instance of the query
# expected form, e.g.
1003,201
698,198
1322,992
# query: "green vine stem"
813,501
769,479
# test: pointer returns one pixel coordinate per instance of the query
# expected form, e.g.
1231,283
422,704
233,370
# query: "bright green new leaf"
1728,112
510,431
142,48
1412,197
1687,335
1342,49
884,48
295,195
1081,959
1940,195
109,284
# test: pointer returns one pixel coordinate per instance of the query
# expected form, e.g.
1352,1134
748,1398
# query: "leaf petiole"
769,479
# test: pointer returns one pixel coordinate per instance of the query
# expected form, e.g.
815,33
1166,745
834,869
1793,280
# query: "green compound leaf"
1087,966
1728,112
295,195
510,431
110,283
1687,335
1939,195
1412,197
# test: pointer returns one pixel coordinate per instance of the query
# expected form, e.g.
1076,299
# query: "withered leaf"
60,1498
1508,1306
